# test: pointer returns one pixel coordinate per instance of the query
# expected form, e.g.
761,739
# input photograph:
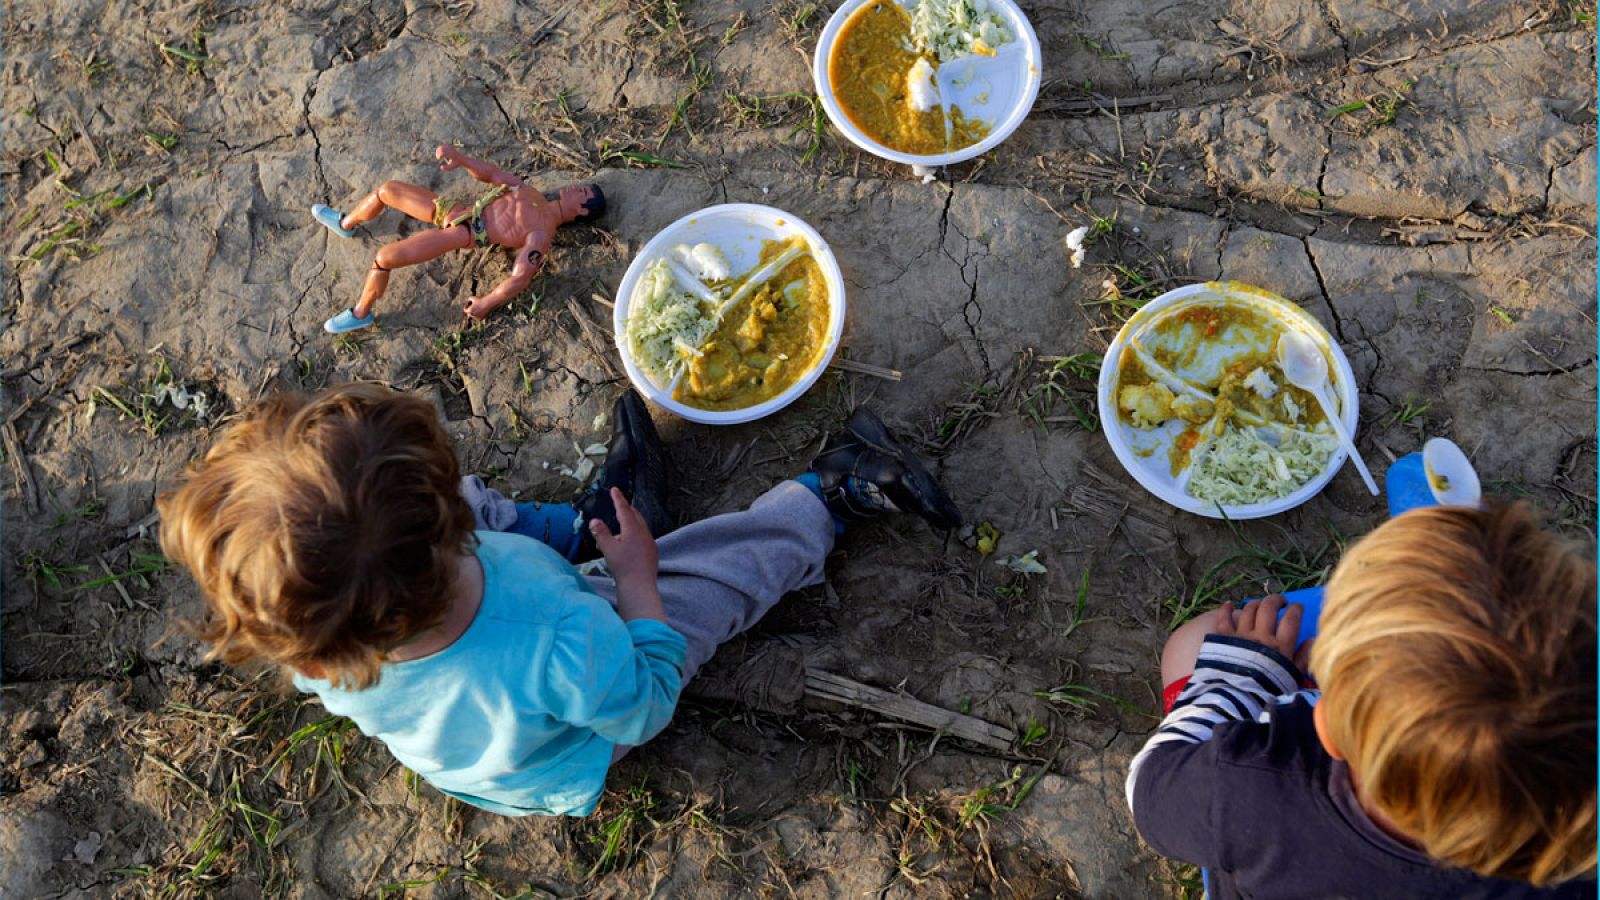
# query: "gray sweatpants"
720,575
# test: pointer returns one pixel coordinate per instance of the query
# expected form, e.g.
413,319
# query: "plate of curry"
773,322
1200,361
875,82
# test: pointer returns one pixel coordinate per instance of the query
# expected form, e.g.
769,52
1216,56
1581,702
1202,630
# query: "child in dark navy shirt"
1450,752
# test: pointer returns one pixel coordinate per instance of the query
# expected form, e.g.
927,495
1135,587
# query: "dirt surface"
1419,174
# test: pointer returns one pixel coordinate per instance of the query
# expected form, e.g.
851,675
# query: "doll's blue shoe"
347,321
331,217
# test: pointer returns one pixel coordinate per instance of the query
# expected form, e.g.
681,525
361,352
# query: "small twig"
19,463
137,528
850,365
115,581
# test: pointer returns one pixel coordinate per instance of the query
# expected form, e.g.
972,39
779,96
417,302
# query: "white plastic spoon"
1306,368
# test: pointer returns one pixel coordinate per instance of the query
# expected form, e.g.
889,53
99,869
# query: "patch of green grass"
450,349
519,427
961,417
996,800
326,739
348,344
773,109
36,567
1065,380
91,67
1078,620
155,405
1410,411
1297,566
1382,109
1503,315
620,827
1083,700
798,17
144,565
1127,288
402,887
88,511
731,33
194,55
1099,48
1186,882
638,158
1214,586
526,305
1033,734
699,79
80,214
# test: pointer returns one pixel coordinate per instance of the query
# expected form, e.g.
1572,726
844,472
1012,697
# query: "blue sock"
813,483
550,524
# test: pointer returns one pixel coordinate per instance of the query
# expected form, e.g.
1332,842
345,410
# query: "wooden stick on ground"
19,464
850,365
827,686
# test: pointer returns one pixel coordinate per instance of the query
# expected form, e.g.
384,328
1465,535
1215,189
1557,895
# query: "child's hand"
448,156
1259,622
1302,656
631,555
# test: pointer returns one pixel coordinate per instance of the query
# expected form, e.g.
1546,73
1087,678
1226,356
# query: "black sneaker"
863,465
637,463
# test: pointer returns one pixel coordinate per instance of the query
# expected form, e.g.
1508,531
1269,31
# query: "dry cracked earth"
1419,174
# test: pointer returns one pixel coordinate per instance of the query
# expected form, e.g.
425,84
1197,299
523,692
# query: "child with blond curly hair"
1449,753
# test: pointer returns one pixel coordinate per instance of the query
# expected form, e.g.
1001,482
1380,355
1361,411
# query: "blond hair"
1456,655
323,531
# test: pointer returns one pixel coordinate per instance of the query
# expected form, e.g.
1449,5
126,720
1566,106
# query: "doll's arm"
530,258
450,158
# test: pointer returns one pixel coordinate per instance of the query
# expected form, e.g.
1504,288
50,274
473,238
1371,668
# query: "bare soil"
1419,174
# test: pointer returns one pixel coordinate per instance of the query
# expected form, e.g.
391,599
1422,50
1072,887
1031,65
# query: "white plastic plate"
998,89
1144,452
739,229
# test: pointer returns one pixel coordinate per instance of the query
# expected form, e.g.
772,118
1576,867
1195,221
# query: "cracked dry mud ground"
1448,245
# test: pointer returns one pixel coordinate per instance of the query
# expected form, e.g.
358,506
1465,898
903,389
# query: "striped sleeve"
1235,680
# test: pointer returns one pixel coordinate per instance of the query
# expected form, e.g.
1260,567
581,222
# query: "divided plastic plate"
999,89
1144,453
739,229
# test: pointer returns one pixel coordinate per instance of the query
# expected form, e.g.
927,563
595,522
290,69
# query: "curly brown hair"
1456,654
323,531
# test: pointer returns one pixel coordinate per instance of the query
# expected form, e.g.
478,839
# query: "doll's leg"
417,248
416,202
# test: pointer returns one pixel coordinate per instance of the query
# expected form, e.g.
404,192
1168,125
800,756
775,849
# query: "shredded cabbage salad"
666,325
954,28
1239,467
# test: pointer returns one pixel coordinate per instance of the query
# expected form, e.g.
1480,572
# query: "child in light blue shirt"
523,712
333,535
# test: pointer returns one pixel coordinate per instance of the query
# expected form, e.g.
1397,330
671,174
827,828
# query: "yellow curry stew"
766,342
870,71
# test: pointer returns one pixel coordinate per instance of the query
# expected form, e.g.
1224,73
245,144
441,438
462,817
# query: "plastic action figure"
511,213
